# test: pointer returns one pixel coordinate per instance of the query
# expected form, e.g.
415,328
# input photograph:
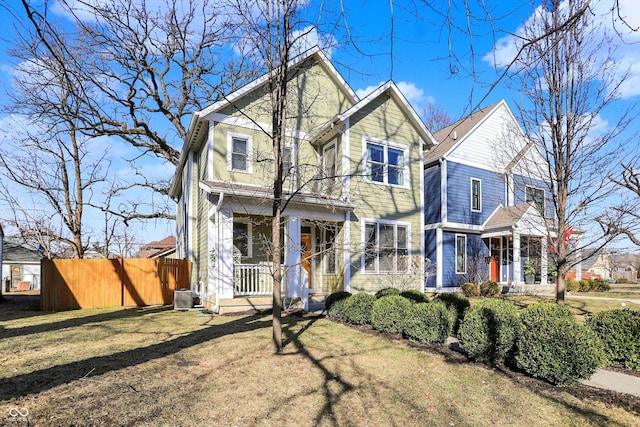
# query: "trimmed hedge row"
410,313
619,331
544,340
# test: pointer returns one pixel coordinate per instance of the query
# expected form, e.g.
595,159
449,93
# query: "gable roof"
155,248
451,136
16,253
389,88
198,118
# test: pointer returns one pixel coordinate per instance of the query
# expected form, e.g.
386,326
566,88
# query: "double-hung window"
330,249
461,253
386,163
289,162
476,195
239,153
242,237
535,195
386,247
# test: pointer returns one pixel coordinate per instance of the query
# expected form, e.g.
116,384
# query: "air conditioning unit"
182,299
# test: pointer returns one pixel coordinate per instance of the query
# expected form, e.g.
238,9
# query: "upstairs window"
535,195
476,195
386,164
289,162
239,149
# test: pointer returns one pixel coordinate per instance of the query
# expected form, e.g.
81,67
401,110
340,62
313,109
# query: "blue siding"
477,251
432,199
520,183
459,193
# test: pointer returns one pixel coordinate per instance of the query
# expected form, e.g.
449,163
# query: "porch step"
244,303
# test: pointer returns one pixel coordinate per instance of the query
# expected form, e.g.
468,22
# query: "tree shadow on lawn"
45,379
75,321
19,306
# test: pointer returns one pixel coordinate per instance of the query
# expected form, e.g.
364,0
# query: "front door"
495,260
305,256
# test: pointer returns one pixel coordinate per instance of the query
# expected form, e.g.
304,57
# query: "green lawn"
159,367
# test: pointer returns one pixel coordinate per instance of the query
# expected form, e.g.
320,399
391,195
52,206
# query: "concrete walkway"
614,381
626,300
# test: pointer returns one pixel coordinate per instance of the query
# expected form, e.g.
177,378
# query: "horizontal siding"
383,119
520,184
477,251
493,144
432,196
459,193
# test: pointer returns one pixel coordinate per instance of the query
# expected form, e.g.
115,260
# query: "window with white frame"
461,253
535,195
289,161
239,152
242,237
386,163
329,166
476,195
386,247
330,251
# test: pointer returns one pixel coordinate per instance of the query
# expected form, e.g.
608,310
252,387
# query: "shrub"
544,310
470,289
336,311
389,313
600,285
457,304
555,348
572,284
489,289
357,308
489,330
585,285
619,331
414,295
334,297
387,291
428,323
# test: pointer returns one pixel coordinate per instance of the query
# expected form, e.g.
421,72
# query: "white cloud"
413,93
619,22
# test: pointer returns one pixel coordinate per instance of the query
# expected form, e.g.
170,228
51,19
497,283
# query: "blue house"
487,207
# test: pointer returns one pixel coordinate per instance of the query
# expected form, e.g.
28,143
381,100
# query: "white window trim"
249,139
479,194
294,159
455,252
325,258
363,224
249,234
387,144
544,196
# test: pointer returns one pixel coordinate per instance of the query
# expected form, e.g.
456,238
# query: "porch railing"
255,279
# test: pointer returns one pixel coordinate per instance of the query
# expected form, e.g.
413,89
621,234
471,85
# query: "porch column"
224,258
517,264
579,256
439,260
544,260
212,255
293,258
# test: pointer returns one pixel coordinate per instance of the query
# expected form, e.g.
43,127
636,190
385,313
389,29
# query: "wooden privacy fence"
96,283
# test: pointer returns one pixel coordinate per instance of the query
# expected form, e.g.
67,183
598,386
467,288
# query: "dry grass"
158,367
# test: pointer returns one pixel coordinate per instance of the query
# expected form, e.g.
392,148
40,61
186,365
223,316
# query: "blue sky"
414,49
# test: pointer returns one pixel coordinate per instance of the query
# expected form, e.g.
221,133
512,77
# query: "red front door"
495,260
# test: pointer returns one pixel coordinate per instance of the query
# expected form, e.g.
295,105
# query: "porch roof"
261,193
505,219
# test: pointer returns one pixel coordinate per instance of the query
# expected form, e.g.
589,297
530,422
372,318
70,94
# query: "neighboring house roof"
197,128
16,253
449,137
157,248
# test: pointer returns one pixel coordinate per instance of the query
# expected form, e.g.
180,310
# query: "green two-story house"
353,208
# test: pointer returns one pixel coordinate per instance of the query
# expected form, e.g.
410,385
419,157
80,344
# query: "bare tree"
624,217
567,82
436,117
139,69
